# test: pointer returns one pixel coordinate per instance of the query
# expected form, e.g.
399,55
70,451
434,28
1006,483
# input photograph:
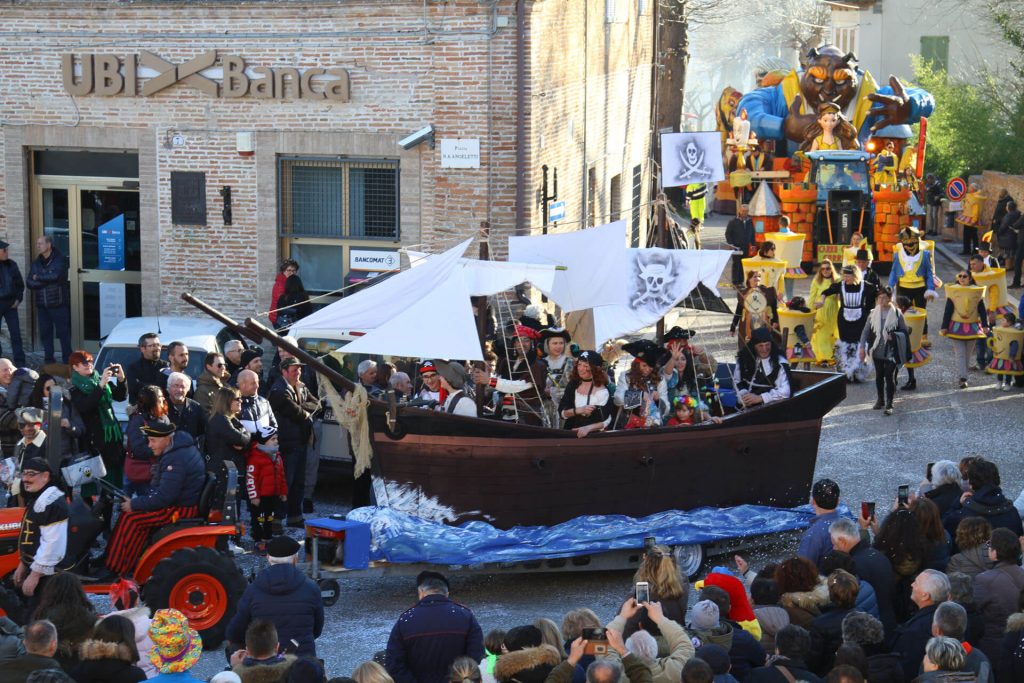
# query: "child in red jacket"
265,483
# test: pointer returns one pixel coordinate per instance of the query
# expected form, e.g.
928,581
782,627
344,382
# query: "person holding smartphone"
93,395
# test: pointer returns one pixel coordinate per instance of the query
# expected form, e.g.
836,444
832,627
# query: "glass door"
97,227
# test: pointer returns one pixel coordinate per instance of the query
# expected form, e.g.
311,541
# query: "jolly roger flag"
691,158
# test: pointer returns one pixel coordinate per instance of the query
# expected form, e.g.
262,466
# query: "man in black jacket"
148,369
986,500
431,634
929,590
12,291
48,278
185,413
739,234
793,645
872,566
293,407
40,646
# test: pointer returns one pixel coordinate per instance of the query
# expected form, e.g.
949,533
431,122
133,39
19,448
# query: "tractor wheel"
200,583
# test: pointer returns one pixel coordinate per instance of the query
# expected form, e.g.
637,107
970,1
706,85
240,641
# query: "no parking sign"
956,189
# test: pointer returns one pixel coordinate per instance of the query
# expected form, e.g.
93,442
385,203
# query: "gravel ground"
867,453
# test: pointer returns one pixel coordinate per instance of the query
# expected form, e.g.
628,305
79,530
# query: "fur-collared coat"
804,606
251,671
531,665
103,662
140,618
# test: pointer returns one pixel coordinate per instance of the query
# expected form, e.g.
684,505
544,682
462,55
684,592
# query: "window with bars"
338,198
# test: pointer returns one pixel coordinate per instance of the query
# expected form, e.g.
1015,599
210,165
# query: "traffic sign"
556,211
956,189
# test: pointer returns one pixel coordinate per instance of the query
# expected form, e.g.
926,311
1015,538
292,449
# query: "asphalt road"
867,453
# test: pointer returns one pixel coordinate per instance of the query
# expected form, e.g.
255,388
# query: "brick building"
126,128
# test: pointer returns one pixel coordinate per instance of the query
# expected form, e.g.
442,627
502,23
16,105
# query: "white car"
200,335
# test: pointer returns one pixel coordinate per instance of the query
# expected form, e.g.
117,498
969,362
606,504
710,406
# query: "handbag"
138,471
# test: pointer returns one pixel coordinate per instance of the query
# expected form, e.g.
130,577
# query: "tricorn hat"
678,333
647,351
862,255
761,335
553,332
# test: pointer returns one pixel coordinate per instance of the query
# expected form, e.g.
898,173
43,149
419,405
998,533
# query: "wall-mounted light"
425,134
245,144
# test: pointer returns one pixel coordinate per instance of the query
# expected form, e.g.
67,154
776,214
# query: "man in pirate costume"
557,361
30,423
44,529
912,274
516,362
762,373
856,299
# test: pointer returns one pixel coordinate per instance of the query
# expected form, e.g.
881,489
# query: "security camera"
425,134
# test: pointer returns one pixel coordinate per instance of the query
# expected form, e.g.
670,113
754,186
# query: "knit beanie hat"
704,616
176,645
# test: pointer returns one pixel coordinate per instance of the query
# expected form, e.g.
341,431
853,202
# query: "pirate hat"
592,358
647,351
554,332
679,334
862,255
760,336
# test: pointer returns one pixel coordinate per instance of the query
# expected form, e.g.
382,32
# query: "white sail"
385,300
486,278
593,257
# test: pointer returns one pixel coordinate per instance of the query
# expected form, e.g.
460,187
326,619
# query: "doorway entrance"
94,221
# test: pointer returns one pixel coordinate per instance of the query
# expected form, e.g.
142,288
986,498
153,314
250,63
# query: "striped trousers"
132,532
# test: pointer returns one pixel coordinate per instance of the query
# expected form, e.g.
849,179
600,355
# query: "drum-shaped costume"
996,298
773,271
1007,344
796,328
919,355
789,247
965,321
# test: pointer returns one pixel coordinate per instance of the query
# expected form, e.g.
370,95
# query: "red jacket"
264,474
275,294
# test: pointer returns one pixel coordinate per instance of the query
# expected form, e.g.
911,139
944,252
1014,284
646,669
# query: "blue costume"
767,108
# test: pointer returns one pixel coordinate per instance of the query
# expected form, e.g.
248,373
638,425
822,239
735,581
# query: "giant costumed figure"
912,274
785,111
964,319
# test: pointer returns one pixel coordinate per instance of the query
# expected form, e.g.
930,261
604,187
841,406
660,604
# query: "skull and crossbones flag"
691,158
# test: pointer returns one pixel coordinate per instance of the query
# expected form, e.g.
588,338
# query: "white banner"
691,158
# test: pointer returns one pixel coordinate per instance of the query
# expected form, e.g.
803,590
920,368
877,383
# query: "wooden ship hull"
456,469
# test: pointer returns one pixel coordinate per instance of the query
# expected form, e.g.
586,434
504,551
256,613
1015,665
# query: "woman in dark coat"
927,515
64,603
293,305
93,395
109,656
947,488
661,572
150,407
997,591
226,438
901,540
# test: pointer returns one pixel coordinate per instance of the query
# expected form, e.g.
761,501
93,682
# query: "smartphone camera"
643,592
903,496
597,641
867,510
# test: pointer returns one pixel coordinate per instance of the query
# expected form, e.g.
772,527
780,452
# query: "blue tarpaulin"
400,537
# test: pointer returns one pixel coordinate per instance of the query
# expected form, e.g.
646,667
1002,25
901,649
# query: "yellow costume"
826,330
908,168
820,144
970,213
885,173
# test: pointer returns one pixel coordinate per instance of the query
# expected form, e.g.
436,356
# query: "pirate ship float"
455,469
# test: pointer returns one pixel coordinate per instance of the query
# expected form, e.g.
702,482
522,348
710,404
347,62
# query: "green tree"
976,126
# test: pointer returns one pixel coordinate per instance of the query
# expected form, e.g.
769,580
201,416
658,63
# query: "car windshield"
841,175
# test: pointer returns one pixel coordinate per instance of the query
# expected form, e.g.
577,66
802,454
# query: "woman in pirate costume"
557,361
587,405
644,393
965,319
757,307
823,341
856,299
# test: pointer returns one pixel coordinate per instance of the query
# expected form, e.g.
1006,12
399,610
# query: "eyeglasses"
218,365
29,474
430,375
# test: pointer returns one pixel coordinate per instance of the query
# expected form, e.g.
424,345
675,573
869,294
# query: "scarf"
882,330
87,385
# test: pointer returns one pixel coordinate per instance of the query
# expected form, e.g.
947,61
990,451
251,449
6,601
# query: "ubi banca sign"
217,75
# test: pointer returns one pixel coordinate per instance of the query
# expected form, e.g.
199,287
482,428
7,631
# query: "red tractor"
185,566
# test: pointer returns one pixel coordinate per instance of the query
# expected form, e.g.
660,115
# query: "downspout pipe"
521,227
